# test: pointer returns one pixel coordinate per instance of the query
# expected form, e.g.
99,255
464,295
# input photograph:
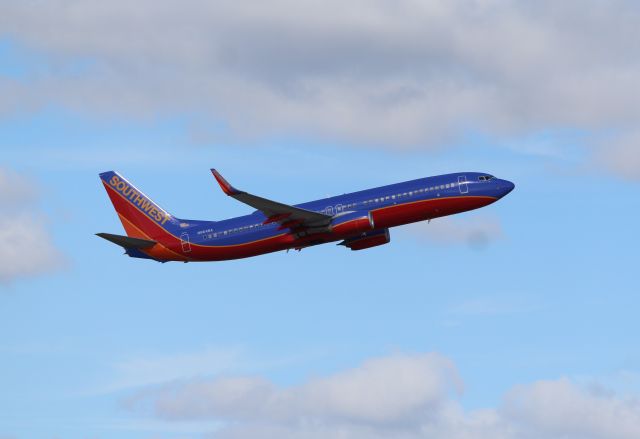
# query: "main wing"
288,216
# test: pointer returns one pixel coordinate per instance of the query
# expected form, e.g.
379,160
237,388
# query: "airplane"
359,220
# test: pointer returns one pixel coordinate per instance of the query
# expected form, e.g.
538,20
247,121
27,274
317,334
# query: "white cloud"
397,73
143,371
26,247
401,396
15,189
621,151
149,370
381,391
384,390
561,409
476,232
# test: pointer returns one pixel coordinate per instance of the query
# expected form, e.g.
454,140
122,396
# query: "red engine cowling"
368,240
351,224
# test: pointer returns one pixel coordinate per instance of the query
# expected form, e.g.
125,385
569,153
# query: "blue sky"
487,340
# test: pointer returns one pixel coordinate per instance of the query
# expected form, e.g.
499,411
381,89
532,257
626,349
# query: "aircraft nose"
504,187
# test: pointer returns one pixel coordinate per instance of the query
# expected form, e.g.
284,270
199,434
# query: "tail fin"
140,217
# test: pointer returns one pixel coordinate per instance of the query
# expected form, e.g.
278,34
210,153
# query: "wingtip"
224,184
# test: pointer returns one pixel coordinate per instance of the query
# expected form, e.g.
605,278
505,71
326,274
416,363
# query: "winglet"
224,184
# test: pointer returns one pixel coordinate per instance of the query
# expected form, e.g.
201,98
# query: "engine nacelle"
368,240
353,223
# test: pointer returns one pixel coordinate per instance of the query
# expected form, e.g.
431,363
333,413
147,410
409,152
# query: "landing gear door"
462,184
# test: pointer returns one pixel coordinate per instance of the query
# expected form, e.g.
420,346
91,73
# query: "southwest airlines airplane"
359,220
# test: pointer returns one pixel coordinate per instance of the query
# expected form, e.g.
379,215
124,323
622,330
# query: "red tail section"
142,218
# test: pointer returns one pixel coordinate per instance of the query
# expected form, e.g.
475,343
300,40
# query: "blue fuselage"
248,228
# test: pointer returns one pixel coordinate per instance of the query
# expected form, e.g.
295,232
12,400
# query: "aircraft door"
329,210
184,241
462,184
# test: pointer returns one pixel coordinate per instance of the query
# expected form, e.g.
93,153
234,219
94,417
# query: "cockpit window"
486,177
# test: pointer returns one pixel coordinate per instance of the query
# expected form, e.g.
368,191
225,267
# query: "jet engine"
353,223
367,240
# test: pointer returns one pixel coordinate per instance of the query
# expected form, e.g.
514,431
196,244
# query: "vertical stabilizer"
140,216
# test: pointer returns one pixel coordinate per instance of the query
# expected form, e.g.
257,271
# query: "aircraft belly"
405,213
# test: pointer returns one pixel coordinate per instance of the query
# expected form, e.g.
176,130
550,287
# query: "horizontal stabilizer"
126,241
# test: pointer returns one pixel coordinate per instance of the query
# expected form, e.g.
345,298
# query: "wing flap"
288,216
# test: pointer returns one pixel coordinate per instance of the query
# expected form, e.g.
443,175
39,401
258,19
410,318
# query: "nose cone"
504,187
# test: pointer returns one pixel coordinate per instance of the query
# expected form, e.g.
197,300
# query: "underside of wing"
127,241
132,246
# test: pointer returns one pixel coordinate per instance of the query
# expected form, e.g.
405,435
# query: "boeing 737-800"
358,220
